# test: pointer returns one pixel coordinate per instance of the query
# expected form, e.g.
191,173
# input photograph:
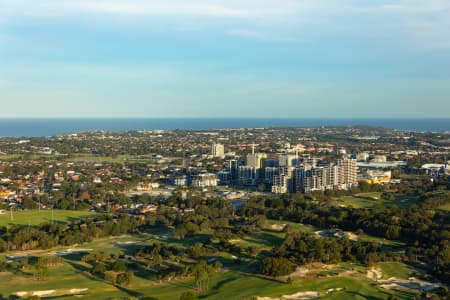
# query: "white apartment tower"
348,172
218,150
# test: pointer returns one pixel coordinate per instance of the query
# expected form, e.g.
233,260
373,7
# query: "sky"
225,58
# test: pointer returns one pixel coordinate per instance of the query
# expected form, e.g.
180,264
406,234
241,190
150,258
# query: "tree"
393,232
28,203
262,187
23,263
110,276
188,296
253,251
273,266
371,259
119,266
217,265
40,271
98,269
201,279
3,266
201,273
125,279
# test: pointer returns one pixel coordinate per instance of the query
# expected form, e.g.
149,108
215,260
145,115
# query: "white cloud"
424,23
49,8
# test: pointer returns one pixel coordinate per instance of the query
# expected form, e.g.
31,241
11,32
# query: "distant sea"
51,127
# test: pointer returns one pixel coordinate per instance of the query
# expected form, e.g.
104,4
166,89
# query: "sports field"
34,217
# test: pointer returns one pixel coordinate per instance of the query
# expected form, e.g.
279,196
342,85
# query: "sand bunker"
411,284
234,241
337,234
278,226
374,274
43,293
301,296
50,293
300,272
351,236
321,233
77,291
331,291
72,251
296,296
36,293
124,244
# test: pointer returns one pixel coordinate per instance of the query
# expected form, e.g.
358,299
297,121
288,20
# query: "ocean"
51,127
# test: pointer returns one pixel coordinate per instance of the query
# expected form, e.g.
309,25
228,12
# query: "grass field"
294,226
34,217
16,157
367,200
82,157
225,285
236,281
98,158
387,244
445,207
233,283
395,269
119,159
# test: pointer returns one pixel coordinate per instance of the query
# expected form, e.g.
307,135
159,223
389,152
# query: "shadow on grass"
265,239
84,270
134,293
216,288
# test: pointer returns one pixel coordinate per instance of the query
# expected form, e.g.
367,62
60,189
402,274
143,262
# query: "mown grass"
368,200
224,285
396,269
293,225
231,284
445,207
237,281
35,217
118,159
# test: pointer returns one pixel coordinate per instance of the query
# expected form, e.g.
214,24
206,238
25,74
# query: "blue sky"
233,58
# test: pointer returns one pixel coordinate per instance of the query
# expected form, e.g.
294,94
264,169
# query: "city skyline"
224,59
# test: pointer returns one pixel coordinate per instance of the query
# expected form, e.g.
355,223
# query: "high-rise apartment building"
218,150
348,172
204,180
